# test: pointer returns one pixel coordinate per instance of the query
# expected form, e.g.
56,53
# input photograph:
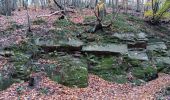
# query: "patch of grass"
62,23
122,25
39,22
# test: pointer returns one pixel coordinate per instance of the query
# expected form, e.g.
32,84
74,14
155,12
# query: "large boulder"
106,48
5,81
162,64
125,36
145,73
164,60
51,44
156,46
72,44
142,36
138,55
5,76
68,71
131,37
73,72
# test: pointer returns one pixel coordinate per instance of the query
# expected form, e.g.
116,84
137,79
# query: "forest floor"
98,88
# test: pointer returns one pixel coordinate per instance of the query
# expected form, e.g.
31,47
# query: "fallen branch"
55,13
62,11
49,15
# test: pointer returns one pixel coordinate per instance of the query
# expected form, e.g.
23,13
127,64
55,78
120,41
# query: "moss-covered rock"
69,71
5,76
106,63
147,73
21,71
21,66
76,76
161,67
107,68
20,57
5,81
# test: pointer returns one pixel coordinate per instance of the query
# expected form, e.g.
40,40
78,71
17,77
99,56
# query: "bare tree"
138,6
6,7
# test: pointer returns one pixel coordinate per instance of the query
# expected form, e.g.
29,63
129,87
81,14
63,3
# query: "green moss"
20,57
121,79
105,63
133,62
146,74
70,72
26,47
164,68
107,69
76,76
123,26
50,69
21,71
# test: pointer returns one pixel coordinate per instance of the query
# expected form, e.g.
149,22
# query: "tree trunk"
138,6
6,7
